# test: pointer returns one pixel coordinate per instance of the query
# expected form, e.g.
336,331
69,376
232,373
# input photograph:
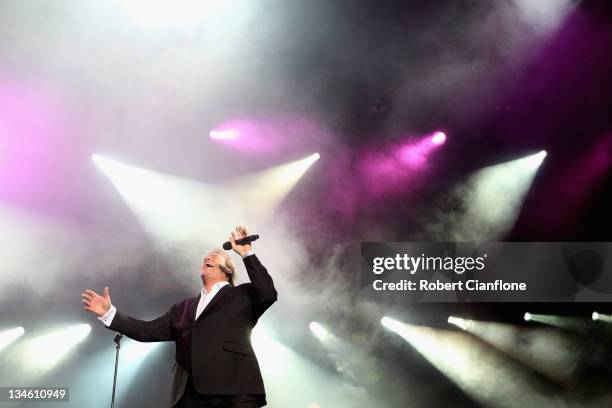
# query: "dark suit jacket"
216,348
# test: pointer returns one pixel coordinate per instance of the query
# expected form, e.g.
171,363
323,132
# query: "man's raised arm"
262,287
159,329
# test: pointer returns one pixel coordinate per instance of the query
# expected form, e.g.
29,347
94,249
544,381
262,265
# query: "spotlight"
577,324
277,360
226,134
544,17
392,324
545,351
459,322
47,350
600,317
134,352
318,330
473,366
438,138
416,153
175,209
8,336
265,136
277,182
486,216
534,161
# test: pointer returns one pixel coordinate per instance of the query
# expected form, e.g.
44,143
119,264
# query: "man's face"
210,266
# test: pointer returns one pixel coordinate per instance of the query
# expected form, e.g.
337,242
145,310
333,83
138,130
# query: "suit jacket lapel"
194,306
214,301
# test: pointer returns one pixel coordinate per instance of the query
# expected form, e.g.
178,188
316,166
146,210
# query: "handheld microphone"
246,240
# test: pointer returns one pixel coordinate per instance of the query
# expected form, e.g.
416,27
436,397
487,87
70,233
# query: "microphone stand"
117,341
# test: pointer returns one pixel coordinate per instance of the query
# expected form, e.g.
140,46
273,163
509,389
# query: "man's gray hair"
228,268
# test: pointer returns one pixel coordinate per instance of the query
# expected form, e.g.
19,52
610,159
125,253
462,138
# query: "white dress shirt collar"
215,288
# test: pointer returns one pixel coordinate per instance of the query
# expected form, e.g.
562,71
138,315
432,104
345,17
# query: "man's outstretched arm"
159,329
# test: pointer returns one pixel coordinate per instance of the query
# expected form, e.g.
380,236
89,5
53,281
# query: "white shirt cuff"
248,253
107,318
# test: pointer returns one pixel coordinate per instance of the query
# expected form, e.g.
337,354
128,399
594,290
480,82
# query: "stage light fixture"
527,316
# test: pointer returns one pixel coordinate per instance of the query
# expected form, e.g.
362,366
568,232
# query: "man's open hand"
239,233
95,303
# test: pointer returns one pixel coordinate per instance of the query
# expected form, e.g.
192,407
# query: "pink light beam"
225,134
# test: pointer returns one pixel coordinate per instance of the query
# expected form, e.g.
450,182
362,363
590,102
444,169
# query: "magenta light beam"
415,154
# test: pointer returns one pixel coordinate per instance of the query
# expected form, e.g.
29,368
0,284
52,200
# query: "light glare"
547,351
227,134
438,138
277,182
468,363
47,350
459,322
577,324
171,208
600,317
10,335
493,198
318,330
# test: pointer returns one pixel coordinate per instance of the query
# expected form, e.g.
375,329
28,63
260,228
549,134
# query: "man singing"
215,363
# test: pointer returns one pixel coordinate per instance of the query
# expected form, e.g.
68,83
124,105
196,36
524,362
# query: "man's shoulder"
237,290
245,288
185,302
